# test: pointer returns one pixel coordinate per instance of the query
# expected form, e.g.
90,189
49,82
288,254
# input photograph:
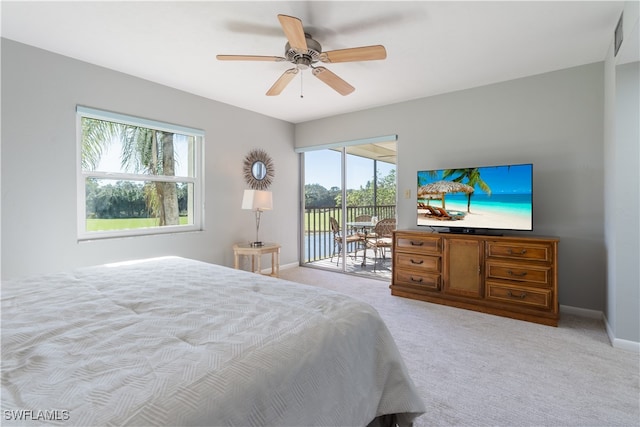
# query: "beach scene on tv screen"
491,197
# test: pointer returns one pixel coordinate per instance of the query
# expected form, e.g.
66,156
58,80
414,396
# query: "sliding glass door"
345,187
322,190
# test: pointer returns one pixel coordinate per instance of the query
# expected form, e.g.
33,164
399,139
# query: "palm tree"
473,179
425,176
96,138
143,151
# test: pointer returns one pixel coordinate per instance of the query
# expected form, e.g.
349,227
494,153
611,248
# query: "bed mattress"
173,341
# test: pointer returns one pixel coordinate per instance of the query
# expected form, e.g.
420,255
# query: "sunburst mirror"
258,169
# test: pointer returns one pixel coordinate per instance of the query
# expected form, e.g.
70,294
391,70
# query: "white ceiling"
432,47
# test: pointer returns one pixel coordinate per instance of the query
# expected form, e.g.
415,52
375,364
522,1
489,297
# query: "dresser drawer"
430,281
526,274
418,262
417,243
508,276
539,298
525,251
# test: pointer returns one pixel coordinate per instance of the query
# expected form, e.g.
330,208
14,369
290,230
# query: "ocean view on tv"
490,197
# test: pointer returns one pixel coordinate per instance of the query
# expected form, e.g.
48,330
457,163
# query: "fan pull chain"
301,76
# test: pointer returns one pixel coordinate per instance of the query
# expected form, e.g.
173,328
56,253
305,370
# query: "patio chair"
382,239
365,233
340,241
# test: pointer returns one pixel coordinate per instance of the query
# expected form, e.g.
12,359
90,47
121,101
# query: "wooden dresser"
510,276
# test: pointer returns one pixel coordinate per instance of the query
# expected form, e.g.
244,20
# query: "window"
137,176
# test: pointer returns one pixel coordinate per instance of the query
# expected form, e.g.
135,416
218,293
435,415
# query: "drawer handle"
413,261
511,273
522,295
512,252
416,281
416,243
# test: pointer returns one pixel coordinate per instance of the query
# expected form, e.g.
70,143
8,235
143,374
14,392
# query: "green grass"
320,221
125,223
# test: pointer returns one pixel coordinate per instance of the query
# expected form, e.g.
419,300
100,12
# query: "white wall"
553,120
622,184
40,91
626,191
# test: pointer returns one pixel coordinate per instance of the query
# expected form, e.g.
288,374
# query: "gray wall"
553,120
40,91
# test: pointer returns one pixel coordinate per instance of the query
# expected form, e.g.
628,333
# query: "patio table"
366,227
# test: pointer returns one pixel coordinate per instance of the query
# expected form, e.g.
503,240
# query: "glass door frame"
342,147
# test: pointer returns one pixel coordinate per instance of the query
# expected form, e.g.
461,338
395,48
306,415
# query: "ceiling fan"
303,52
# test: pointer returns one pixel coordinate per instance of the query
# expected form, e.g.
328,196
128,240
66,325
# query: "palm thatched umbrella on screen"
440,188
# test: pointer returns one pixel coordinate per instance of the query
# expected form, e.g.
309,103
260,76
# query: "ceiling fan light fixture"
311,53
303,62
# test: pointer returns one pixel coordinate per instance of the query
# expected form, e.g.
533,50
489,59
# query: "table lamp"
257,200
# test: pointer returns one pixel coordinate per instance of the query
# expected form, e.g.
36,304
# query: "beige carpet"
475,369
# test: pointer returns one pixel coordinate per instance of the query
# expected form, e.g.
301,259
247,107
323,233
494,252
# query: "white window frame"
196,215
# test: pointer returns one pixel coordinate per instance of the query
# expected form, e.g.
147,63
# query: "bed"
174,341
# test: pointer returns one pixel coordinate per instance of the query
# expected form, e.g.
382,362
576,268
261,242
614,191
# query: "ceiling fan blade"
250,58
282,82
365,53
294,31
331,79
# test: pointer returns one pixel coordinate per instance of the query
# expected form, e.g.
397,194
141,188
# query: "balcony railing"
318,238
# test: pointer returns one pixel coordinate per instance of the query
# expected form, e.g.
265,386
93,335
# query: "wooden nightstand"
256,253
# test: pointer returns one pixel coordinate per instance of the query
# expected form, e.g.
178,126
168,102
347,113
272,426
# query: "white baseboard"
595,314
625,344
582,312
620,343
290,265
282,267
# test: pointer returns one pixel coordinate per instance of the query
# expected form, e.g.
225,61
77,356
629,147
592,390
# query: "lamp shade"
257,200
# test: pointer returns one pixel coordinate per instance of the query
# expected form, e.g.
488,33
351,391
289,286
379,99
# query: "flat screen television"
476,200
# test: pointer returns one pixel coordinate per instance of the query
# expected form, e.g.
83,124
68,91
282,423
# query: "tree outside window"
137,178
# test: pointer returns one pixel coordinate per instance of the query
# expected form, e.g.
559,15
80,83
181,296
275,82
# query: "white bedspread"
173,341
